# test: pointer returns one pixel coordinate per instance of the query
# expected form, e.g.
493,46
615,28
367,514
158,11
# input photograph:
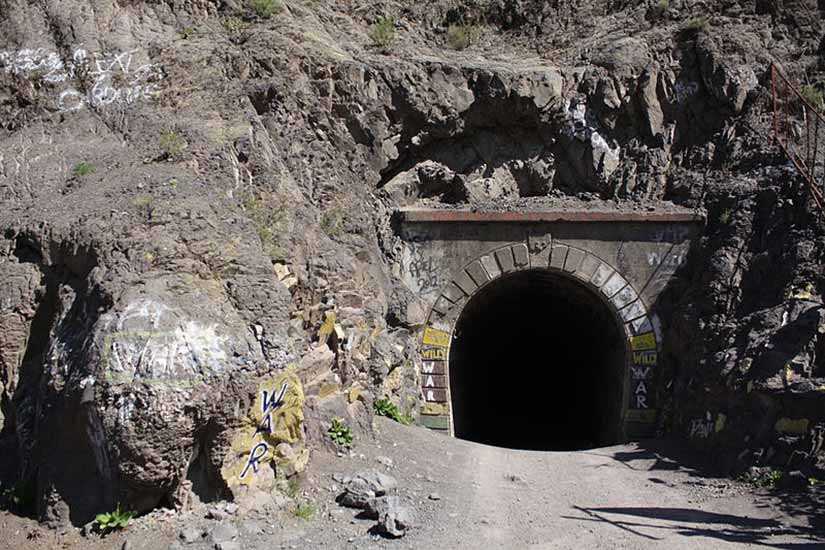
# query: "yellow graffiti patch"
433,337
796,426
643,342
283,423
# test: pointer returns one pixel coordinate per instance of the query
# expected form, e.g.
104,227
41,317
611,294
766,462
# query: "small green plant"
235,25
771,479
266,8
82,169
172,144
698,24
340,433
660,8
813,96
459,36
186,32
267,219
767,480
385,407
331,222
112,521
813,482
292,486
725,216
143,201
143,204
304,511
383,32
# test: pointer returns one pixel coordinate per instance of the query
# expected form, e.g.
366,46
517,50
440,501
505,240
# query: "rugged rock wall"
197,195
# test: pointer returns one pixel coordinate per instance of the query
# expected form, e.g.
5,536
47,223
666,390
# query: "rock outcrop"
198,260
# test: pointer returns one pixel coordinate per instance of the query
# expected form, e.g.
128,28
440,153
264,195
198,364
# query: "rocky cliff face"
197,203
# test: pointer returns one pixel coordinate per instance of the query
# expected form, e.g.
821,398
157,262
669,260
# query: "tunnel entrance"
537,362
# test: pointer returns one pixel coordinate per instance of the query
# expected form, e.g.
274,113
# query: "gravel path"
467,495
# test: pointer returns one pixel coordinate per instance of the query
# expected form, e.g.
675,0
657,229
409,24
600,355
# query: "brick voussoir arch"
640,327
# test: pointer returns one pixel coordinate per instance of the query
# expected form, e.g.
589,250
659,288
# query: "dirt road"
467,495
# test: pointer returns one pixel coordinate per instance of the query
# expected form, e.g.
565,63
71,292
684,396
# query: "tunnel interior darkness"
537,361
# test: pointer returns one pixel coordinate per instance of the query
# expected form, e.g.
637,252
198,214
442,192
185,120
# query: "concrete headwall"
627,258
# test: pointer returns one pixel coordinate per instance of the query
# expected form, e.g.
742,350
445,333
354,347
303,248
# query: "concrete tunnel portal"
554,340
543,330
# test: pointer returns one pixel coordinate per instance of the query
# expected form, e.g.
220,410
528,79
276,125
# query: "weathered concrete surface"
627,258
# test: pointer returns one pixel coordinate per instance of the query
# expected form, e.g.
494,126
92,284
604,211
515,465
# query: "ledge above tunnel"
444,215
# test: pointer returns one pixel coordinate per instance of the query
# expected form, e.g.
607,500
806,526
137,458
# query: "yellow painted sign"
644,358
434,354
643,342
435,337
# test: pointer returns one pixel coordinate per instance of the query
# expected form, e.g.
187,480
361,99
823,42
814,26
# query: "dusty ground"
472,496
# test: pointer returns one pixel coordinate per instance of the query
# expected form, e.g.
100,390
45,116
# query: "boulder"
362,490
393,519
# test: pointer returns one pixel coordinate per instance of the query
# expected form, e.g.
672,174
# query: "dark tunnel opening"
537,362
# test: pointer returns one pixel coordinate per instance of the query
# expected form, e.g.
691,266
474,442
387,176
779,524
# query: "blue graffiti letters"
256,455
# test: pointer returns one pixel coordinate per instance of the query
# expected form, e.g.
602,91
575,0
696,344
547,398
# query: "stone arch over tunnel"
537,361
540,345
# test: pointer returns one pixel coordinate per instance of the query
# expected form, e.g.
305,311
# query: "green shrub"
143,204
340,433
172,144
266,8
771,479
813,96
725,216
765,479
331,222
112,521
143,201
304,511
234,25
459,36
385,407
82,169
383,32
698,24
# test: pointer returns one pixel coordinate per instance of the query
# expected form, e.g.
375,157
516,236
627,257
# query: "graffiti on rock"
670,234
701,427
268,405
645,357
271,436
87,80
655,259
685,90
434,354
420,271
151,341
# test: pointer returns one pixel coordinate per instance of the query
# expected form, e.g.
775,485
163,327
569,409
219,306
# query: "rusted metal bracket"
799,130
